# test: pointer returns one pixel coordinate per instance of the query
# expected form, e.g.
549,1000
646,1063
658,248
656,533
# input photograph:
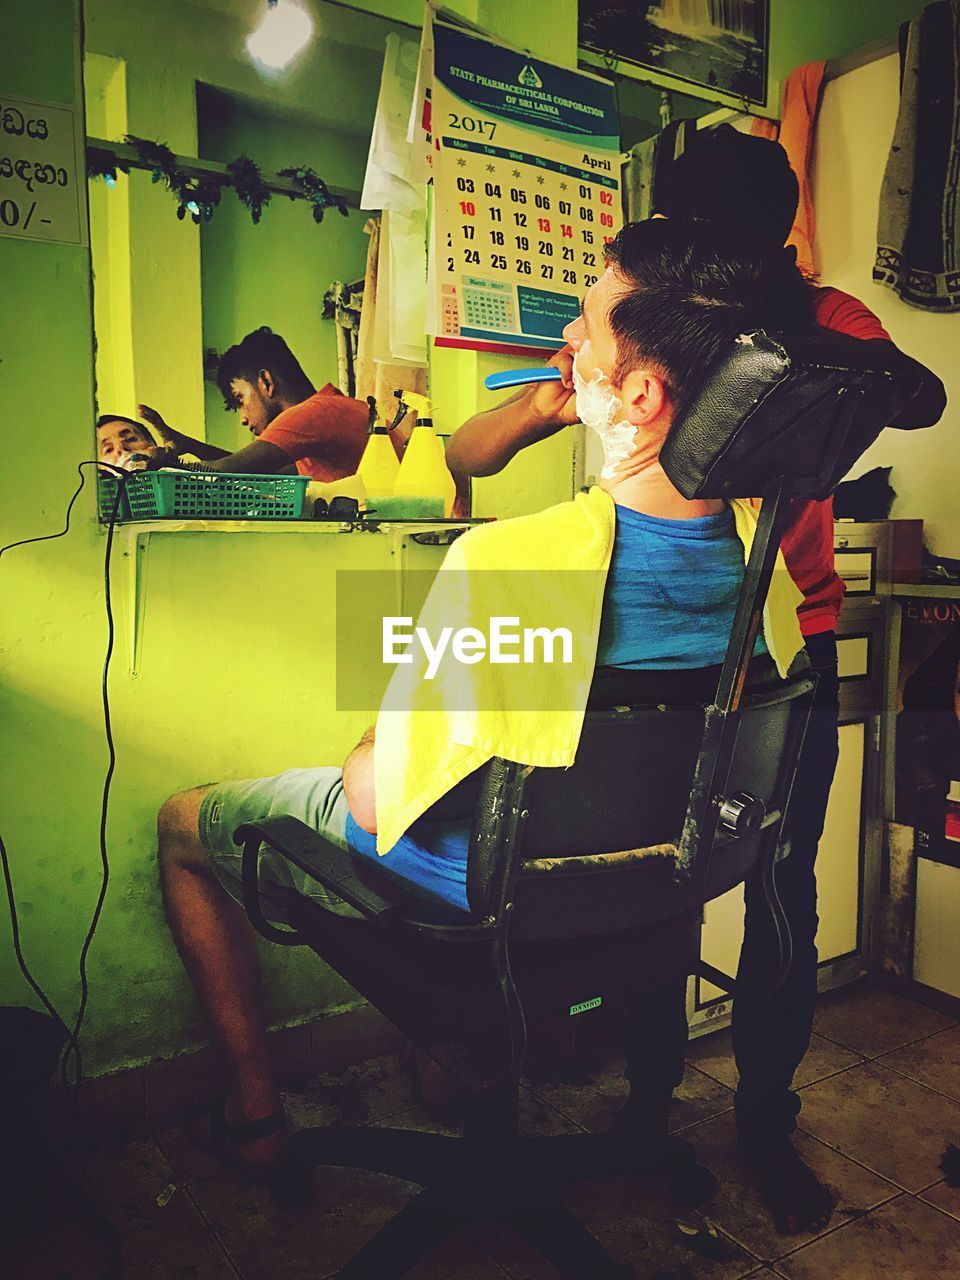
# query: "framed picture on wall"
719,44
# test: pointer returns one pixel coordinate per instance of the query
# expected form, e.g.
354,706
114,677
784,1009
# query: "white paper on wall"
391,185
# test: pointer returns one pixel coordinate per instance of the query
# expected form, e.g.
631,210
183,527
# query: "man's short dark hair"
694,287
119,417
261,349
735,178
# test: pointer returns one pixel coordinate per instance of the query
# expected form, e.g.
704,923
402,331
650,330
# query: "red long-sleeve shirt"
808,541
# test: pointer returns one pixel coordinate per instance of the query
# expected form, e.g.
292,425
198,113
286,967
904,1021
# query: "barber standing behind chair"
737,179
320,433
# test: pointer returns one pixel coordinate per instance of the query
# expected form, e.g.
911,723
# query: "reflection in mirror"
174,289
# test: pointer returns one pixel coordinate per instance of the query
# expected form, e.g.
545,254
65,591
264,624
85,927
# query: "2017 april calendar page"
526,172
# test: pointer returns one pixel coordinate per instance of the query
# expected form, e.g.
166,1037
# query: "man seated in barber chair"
673,297
119,440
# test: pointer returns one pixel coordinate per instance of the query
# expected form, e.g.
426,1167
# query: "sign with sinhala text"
39,199
526,171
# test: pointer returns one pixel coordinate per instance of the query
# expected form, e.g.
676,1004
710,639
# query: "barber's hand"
153,418
162,458
557,401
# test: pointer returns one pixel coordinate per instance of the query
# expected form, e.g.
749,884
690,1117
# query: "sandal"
288,1182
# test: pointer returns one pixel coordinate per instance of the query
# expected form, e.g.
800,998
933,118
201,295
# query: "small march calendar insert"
526,192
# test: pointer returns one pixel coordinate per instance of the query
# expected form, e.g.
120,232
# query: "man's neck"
290,398
650,491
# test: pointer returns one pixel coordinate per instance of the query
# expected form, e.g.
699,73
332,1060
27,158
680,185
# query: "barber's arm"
930,398
258,458
489,440
176,441
843,312
358,783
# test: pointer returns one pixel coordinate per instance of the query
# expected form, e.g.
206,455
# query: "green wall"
52,631
811,30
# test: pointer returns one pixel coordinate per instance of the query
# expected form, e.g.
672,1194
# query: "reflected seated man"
321,434
667,570
120,441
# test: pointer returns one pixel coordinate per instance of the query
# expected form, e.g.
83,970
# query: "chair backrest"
595,851
794,407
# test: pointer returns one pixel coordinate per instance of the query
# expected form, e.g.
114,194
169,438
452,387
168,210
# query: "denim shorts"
315,796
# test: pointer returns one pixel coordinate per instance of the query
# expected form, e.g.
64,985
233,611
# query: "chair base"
466,1179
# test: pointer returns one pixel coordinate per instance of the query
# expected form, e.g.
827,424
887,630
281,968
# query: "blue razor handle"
517,377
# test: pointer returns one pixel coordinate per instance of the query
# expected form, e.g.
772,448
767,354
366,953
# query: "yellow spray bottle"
423,472
379,465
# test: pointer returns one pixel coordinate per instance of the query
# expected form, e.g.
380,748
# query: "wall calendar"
526,192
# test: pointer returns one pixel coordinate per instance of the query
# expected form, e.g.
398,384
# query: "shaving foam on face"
597,407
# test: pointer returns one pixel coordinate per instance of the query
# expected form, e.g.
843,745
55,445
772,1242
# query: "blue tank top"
671,592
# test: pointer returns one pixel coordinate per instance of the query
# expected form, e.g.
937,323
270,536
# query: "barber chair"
587,884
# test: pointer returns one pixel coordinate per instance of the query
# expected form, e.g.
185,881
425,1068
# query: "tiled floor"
881,1091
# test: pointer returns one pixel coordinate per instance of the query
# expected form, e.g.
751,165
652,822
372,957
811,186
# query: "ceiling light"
283,31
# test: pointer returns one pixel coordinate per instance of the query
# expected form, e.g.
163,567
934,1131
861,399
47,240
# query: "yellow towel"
432,733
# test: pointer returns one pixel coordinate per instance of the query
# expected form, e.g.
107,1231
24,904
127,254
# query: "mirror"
171,295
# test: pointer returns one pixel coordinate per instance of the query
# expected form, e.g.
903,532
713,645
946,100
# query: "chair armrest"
323,861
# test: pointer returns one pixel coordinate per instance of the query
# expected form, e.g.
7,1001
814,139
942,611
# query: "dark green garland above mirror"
198,191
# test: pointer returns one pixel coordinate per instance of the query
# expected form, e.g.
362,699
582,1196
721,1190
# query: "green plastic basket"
215,495
106,497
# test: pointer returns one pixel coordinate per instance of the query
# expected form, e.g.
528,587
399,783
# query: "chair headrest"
802,407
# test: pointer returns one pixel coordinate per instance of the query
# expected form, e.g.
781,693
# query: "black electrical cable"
48,537
74,1046
72,1034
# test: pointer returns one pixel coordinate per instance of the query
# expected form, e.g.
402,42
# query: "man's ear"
266,384
644,399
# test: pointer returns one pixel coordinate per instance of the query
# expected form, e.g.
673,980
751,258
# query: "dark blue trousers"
771,1033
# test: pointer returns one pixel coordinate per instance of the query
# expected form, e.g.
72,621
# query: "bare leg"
216,944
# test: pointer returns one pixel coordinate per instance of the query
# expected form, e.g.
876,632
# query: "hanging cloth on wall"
638,180
648,162
392,184
918,255
802,91
376,376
